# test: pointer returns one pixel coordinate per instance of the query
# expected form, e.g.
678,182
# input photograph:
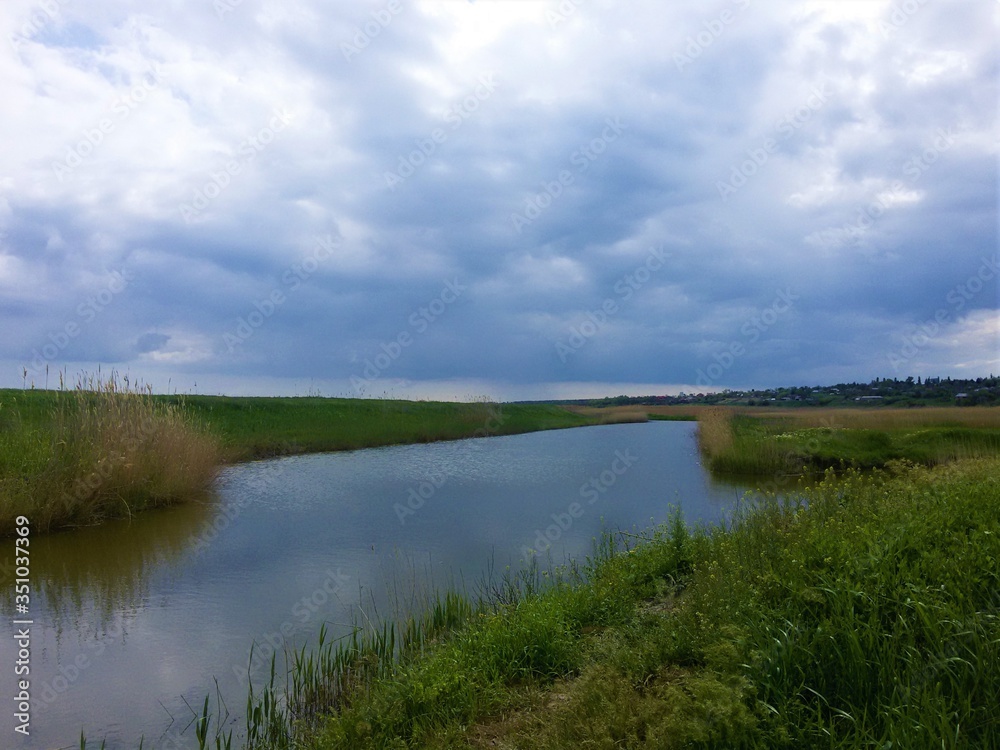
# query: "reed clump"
106,449
715,431
793,443
735,443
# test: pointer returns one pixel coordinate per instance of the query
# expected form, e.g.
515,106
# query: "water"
136,622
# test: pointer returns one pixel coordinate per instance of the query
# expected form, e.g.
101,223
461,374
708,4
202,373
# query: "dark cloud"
286,208
150,342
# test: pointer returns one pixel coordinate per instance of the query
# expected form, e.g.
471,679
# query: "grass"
639,413
611,414
752,442
262,427
862,613
103,449
106,449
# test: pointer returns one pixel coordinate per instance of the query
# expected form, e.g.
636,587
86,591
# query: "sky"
513,199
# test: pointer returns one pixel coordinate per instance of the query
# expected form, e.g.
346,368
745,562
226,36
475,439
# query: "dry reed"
113,450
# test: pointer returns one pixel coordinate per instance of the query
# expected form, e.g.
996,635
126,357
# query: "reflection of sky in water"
173,616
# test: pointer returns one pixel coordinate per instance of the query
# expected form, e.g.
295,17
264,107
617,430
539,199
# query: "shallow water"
134,623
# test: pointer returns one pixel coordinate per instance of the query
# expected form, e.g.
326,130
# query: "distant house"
868,398
961,395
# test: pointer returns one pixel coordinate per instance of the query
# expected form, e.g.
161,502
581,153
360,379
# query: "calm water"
135,622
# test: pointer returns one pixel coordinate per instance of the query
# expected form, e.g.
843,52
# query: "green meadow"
250,428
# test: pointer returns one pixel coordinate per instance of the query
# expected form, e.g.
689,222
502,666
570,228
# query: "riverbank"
862,612
107,449
251,428
808,441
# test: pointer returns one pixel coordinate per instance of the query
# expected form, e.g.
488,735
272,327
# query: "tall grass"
407,677
105,448
611,414
864,614
884,418
734,443
754,442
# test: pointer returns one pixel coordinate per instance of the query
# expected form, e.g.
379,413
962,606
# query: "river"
135,622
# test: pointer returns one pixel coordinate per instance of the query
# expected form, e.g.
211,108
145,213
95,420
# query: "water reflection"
88,579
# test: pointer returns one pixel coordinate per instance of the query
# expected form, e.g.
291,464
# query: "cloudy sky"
514,198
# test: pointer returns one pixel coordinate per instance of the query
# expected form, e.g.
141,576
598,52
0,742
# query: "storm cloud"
516,198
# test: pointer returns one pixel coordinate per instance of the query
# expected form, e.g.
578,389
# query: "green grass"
742,443
260,427
862,613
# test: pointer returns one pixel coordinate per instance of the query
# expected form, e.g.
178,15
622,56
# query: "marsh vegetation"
801,441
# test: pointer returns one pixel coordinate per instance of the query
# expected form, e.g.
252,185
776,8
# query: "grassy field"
106,449
261,427
761,441
862,613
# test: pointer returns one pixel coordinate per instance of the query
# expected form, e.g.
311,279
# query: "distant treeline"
879,392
